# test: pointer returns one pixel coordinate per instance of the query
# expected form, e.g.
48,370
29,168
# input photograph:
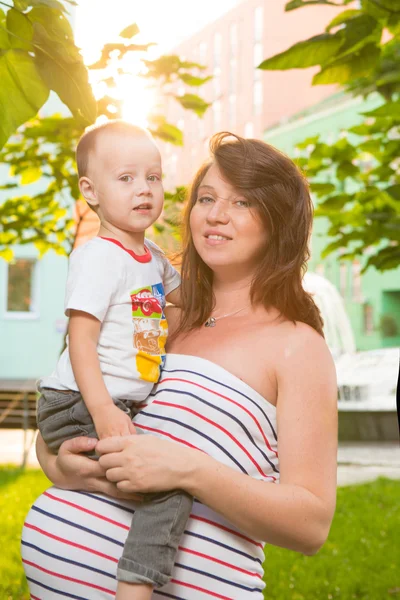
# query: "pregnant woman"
247,375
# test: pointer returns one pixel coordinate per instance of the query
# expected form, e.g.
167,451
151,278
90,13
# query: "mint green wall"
30,345
328,120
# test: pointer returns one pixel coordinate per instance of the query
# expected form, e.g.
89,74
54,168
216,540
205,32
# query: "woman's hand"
71,470
145,463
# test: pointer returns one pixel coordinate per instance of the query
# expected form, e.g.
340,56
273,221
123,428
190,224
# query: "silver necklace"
212,321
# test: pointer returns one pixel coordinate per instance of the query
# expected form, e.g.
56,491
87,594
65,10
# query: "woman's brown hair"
281,195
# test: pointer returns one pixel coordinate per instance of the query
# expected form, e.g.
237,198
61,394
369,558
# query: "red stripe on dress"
217,560
69,543
164,433
196,517
200,589
193,412
34,597
229,400
86,583
87,511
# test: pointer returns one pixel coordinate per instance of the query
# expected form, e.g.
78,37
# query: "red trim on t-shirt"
142,258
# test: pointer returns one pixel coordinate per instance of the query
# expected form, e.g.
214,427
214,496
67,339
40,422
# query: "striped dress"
72,540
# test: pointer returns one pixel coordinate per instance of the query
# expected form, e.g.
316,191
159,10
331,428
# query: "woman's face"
226,228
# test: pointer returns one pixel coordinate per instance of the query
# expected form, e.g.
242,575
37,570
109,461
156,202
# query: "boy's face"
124,181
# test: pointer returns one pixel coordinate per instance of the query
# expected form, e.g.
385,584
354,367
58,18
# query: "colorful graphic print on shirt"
150,330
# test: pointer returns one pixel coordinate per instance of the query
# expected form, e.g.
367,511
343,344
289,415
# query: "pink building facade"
245,100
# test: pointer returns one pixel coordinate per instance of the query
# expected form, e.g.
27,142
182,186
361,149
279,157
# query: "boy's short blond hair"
87,142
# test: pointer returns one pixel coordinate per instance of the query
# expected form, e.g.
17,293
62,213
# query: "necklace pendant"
211,322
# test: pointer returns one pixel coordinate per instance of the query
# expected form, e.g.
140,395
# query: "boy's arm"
83,332
174,297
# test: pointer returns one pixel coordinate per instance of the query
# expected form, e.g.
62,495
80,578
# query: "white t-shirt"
126,293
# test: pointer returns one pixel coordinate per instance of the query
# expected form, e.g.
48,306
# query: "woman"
247,365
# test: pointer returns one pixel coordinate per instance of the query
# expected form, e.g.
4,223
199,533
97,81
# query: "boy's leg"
153,539
62,415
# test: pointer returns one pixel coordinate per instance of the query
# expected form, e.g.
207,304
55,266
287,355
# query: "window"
232,110
201,128
257,97
368,318
343,279
257,60
21,288
232,76
217,82
356,287
249,130
258,23
203,53
217,50
217,115
217,64
233,39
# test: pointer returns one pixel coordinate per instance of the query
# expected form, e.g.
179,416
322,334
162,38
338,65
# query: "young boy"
115,296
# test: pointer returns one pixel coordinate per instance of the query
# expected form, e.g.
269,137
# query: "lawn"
360,560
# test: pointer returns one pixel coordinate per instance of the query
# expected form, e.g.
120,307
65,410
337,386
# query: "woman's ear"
87,190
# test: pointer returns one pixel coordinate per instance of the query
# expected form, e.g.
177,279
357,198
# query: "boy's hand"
110,421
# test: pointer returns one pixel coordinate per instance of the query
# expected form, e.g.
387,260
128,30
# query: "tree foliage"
356,178
38,54
43,151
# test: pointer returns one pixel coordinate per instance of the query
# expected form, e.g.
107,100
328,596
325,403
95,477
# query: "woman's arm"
71,470
295,514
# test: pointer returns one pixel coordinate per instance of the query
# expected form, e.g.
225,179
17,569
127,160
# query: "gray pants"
158,523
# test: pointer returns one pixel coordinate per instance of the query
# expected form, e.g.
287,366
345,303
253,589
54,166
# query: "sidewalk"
357,461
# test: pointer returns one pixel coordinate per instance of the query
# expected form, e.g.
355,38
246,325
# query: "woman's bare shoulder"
301,344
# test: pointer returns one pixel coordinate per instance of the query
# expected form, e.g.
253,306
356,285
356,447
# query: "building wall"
366,296
30,343
244,99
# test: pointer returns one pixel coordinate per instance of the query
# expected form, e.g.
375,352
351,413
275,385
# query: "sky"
166,22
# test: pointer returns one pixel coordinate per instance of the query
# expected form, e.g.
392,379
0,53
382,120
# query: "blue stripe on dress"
67,560
57,518
227,387
218,408
207,437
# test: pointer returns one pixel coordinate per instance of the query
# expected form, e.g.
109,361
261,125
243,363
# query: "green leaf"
31,175
370,146
49,4
4,40
168,133
61,66
342,18
7,254
351,66
359,32
378,9
21,82
362,129
333,203
21,4
192,80
389,109
130,31
346,169
322,189
308,142
20,30
194,103
314,51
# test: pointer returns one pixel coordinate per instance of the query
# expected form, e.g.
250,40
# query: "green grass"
18,490
361,559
